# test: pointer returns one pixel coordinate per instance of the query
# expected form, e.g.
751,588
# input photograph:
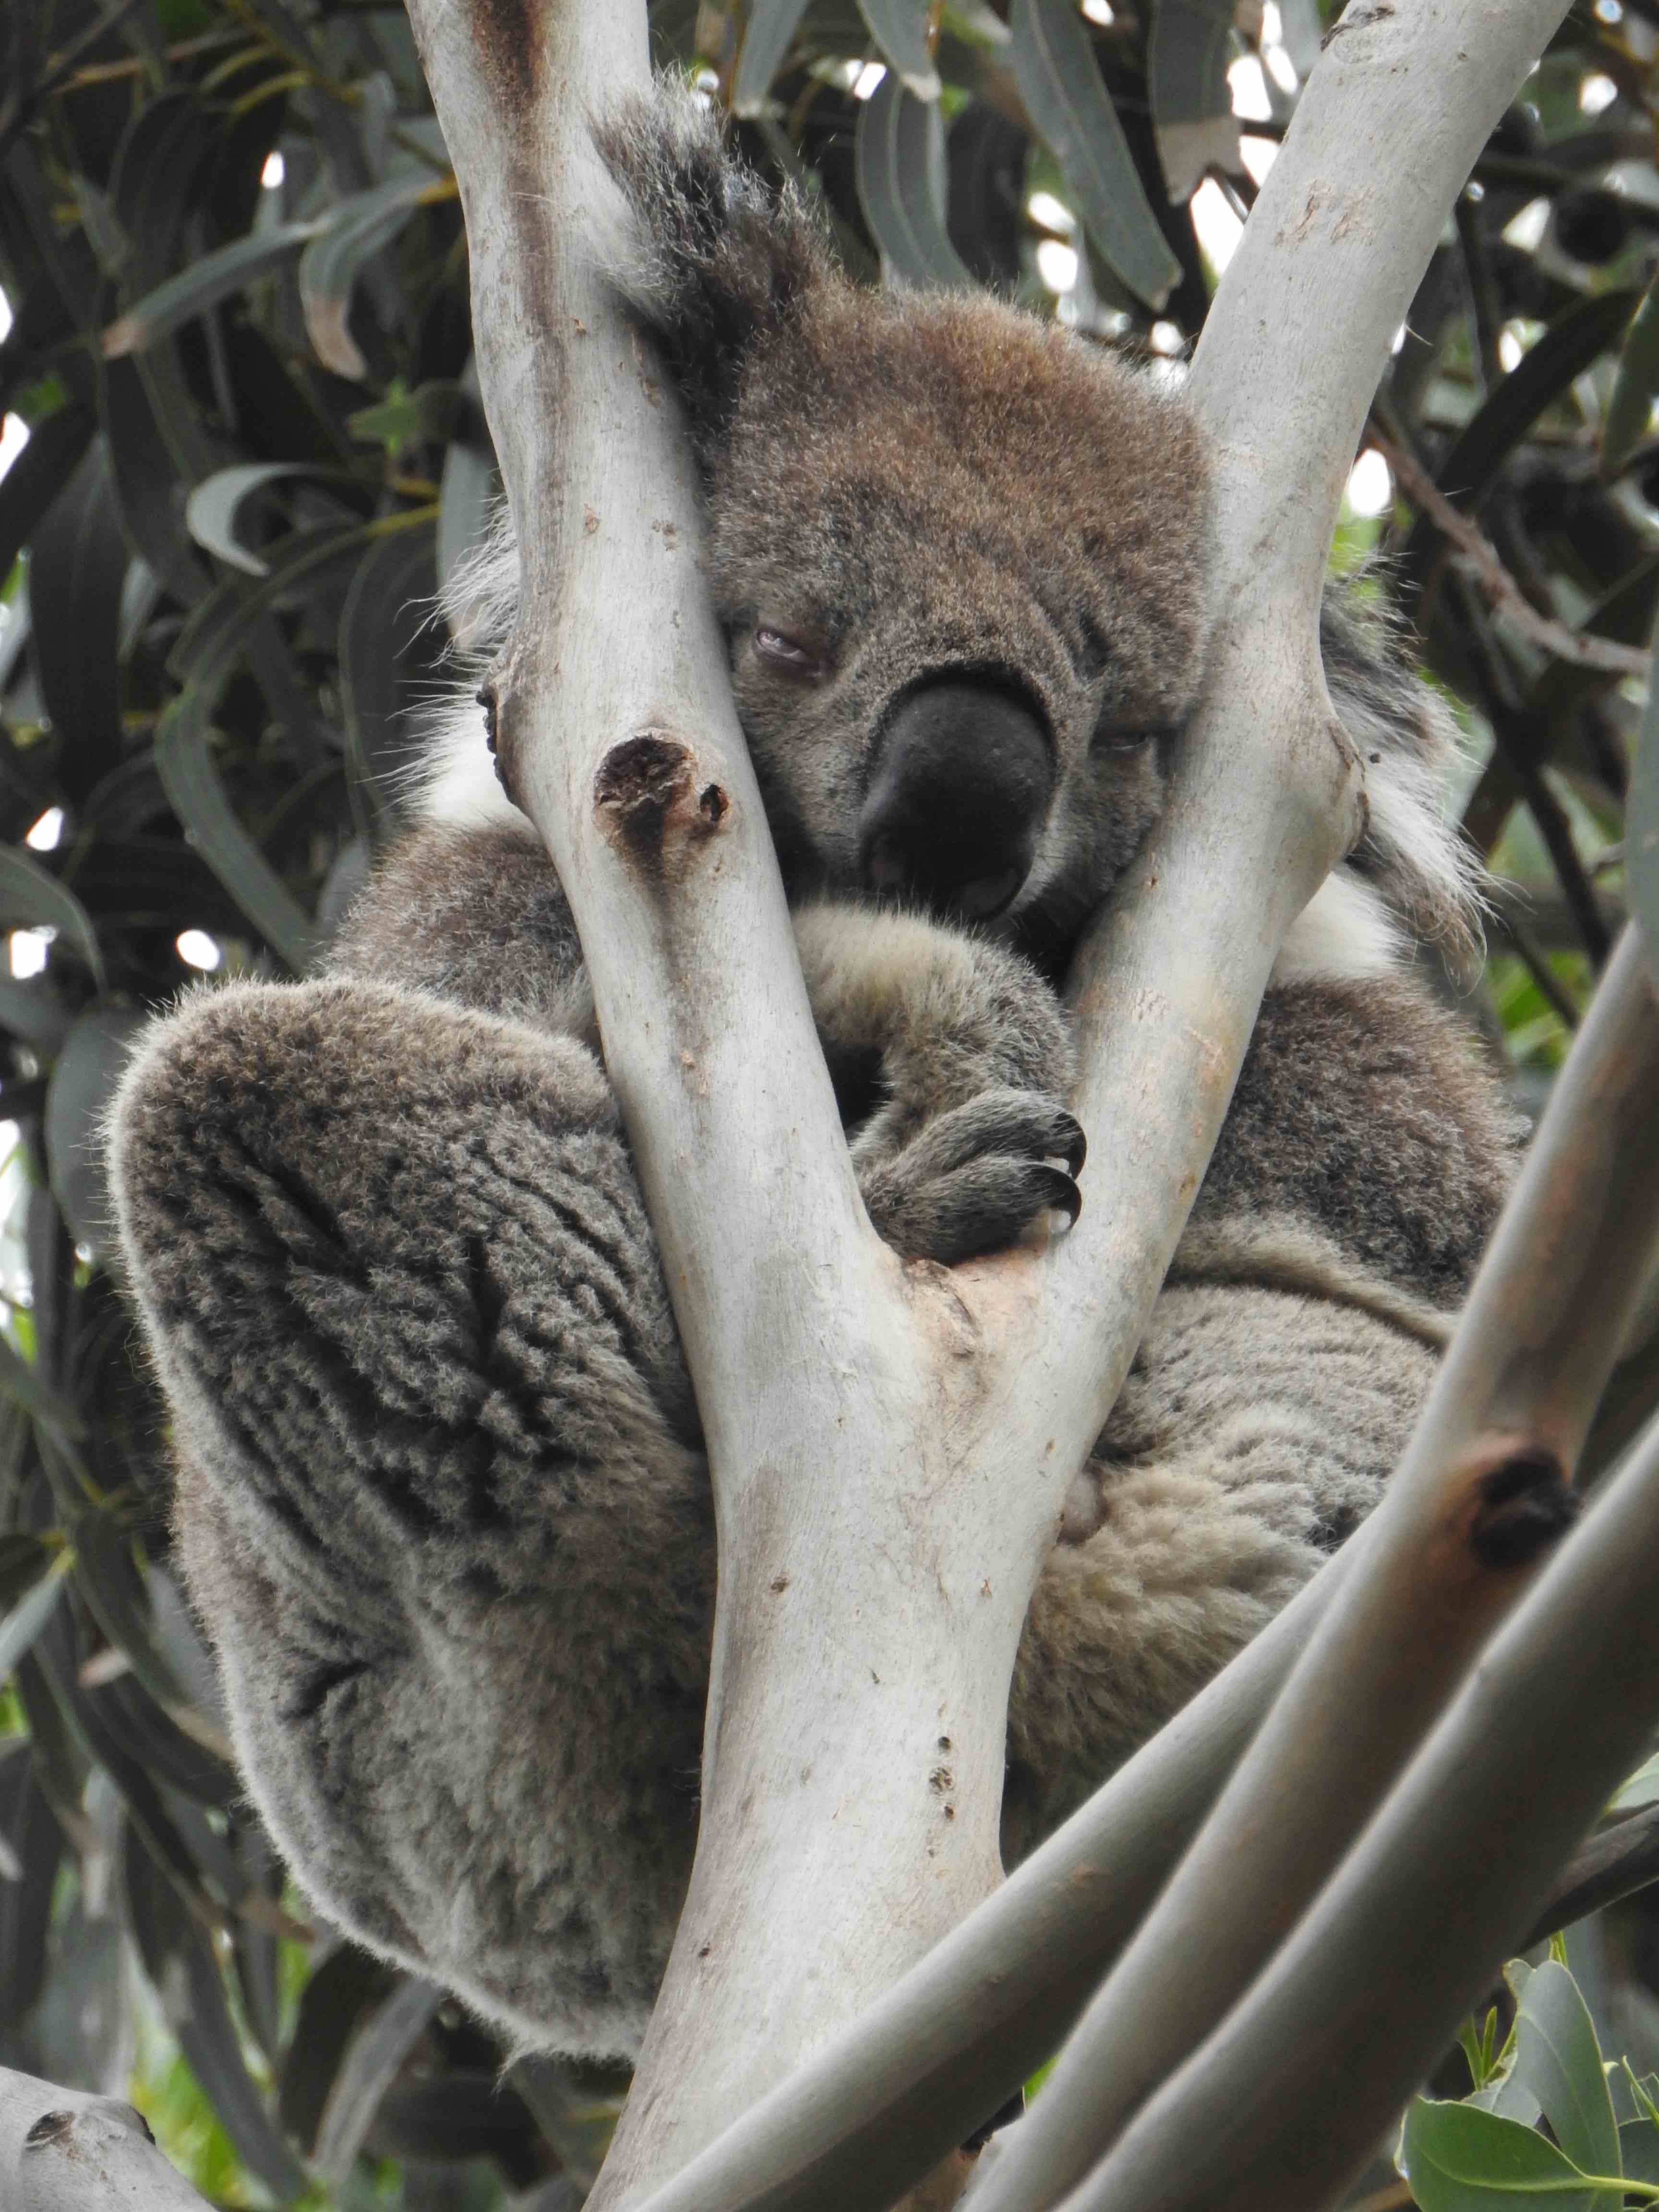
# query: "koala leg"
1254,1434
442,1506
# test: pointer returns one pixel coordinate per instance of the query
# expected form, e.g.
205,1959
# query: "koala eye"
1115,738
786,653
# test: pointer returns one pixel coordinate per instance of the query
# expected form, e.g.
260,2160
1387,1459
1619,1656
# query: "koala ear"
719,257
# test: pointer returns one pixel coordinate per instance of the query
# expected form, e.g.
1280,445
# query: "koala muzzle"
958,800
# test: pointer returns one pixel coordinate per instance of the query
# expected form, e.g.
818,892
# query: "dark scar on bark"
507,46
1525,1504
644,793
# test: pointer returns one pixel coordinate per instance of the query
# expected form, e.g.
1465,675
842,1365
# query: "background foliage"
242,448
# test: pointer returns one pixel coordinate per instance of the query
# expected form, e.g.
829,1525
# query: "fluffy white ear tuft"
1344,934
454,779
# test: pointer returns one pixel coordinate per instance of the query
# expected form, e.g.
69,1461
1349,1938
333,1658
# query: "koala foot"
975,1178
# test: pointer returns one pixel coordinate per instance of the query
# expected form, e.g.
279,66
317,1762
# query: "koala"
442,1503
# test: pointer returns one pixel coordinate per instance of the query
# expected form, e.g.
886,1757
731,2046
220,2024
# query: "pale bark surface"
64,2150
890,1448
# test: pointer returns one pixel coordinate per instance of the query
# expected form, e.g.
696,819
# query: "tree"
628,819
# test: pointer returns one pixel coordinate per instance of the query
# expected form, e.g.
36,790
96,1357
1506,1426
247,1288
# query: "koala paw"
977,1176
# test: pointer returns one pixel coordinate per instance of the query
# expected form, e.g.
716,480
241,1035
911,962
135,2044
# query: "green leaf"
211,510
1054,65
1567,349
83,1080
1635,387
772,24
1642,1789
370,2067
1458,2158
24,1558
1558,2059
30,1613
38,474
1638,2150
109,1579
22,1383
1187,60
204,284
899,27
204,656
32,896
181,1964
429,413
330,264
900,164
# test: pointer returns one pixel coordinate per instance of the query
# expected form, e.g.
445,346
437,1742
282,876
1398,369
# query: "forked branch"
890,1448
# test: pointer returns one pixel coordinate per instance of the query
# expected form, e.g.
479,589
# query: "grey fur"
442,1503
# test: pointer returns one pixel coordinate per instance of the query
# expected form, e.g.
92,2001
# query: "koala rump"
442,1505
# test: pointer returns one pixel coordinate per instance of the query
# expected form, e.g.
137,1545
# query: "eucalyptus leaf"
93,1059
180,1963
32,896
205,657
1458,2158
900,161
1635,387
1054,65
1638,2150
334,259
900,28
1544,373
370,2067
23,1385
1557,2059
204,284
767,33
211,510
24,1623
1187,61
1642,1789
38,474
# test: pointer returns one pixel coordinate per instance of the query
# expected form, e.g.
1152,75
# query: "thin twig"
1538,967
1614,1863
1483,292
1475,556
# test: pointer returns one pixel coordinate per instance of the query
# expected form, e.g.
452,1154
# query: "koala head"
962,559
959,555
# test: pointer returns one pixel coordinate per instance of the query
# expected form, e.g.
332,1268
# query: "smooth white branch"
1356,2006
889,1447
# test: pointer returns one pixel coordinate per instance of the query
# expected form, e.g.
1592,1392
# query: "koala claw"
975,1178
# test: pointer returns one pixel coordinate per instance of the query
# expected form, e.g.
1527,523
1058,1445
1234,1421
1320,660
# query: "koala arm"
969,1047
975,1061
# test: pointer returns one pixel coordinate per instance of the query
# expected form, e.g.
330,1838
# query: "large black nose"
955,808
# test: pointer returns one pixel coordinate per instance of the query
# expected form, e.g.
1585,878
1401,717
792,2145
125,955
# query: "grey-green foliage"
1541,2119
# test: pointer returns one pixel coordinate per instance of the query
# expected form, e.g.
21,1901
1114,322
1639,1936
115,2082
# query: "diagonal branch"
1475,1503
1354,2009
